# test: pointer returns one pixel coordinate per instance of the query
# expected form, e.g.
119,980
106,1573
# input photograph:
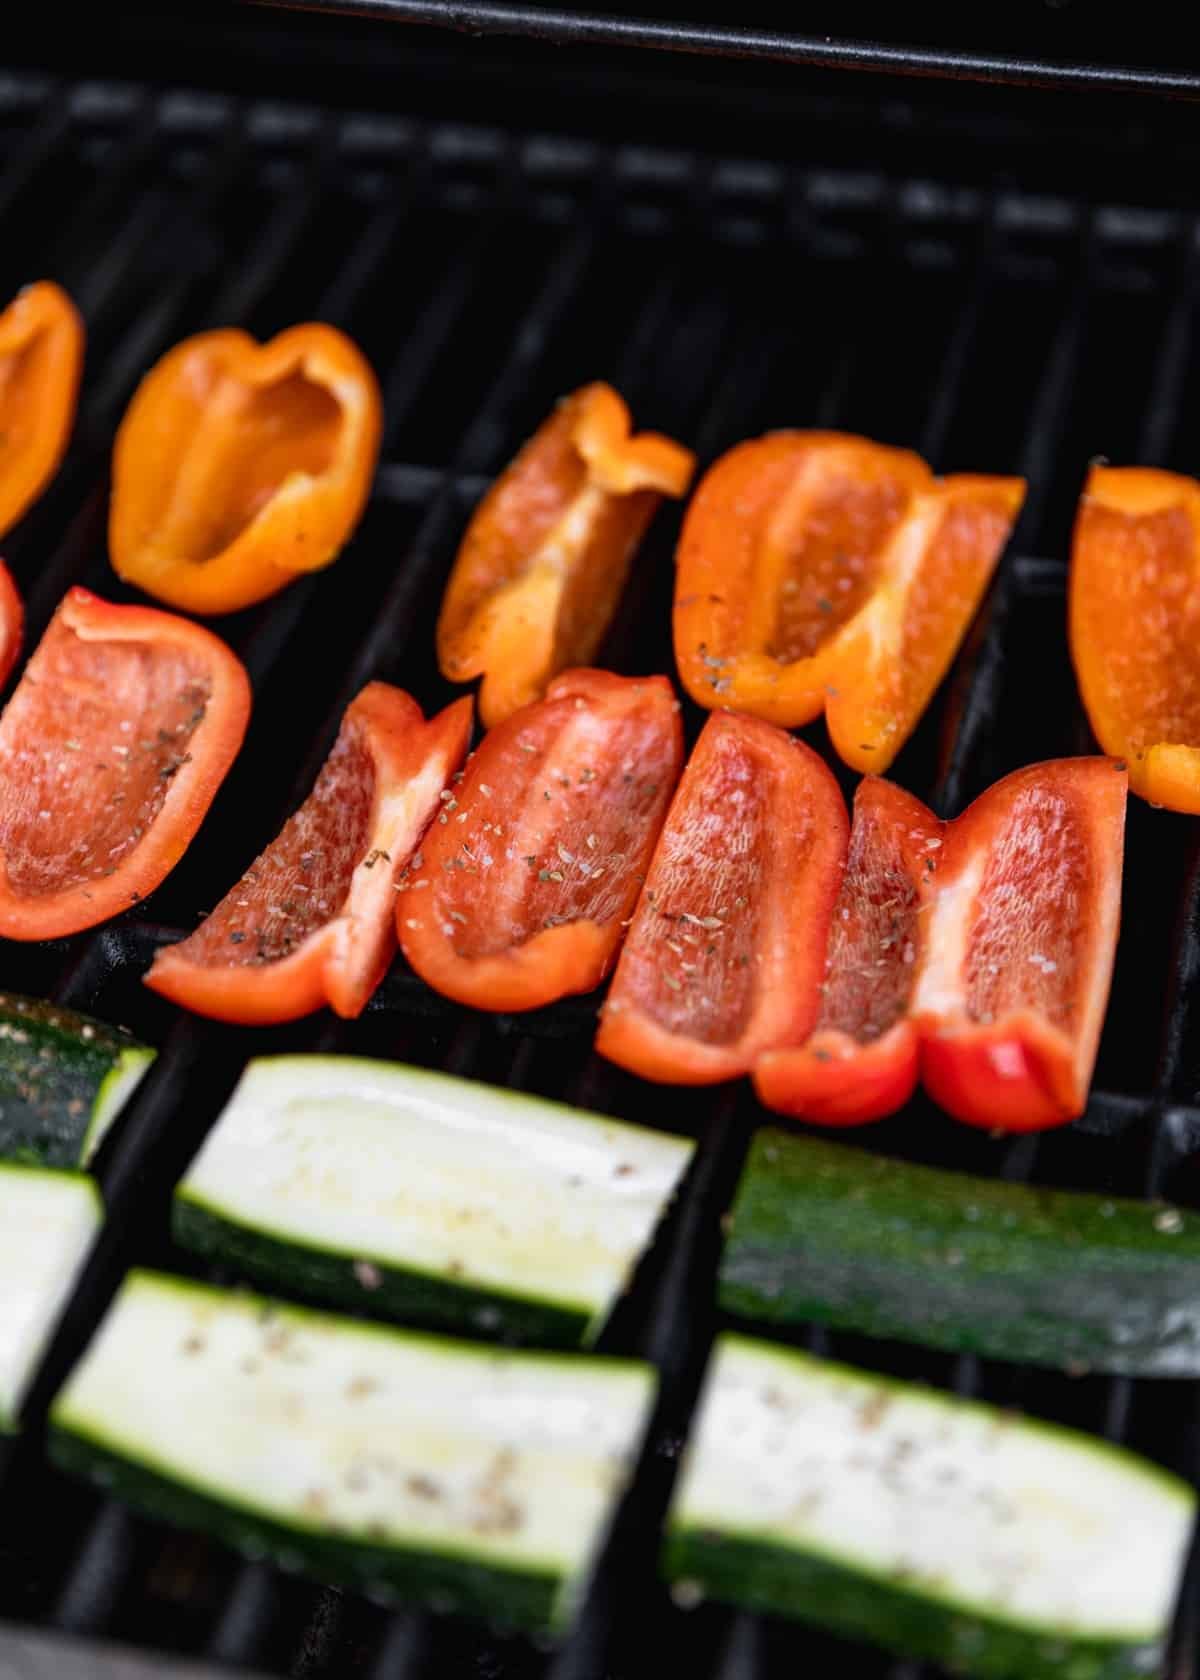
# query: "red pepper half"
979,951
1020,946
523,887
863,1057
112,747
312,921
727,948
12,622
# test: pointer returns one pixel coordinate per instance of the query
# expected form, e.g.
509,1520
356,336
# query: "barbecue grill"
1003,281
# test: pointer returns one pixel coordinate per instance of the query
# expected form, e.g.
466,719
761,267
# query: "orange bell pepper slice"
543,562
863,1058
238,466
41,358
1134,612
726,953
819,572
312,921
112,747
523,887
12,622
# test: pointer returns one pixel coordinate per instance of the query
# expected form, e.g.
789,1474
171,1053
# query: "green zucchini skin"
825,1233
63,1079
506,1599
407,1296
757,1575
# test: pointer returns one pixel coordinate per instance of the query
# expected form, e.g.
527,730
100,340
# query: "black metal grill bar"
692,340
590,28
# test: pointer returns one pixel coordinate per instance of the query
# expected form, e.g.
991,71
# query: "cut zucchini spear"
47,1223
992,1544
1049,1277
63,1080
445,1472
416,1196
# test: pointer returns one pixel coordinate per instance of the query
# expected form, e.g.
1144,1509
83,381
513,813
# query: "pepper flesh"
863,1057
1010,1003
1135,626
112,748
727,948
819,572
543,562
527,878
239,466
312,922
41,357
12,622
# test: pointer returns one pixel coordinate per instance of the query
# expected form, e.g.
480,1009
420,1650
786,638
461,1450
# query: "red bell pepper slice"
312,921
524,885
727,948
12,622
1022,935
863,1057
112,747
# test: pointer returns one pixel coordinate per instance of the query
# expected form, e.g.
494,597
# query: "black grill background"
990,300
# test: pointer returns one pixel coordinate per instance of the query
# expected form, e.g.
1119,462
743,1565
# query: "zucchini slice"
64,1078
452,1474
1048,1277
47,1223
989,1543
412,1195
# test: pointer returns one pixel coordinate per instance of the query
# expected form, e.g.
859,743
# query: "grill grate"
486,270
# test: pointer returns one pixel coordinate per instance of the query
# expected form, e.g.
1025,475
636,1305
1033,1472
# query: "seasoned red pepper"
524,884
727,948
1020,946
12,622
312,921
862,1059
818,572
545,557
112,747
980,950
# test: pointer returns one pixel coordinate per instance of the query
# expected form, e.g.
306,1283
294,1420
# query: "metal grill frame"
190,209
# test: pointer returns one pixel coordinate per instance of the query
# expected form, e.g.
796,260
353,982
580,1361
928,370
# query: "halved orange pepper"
820,572
1135,626
12,622
112,748
313,920
41,357
545,557
238,466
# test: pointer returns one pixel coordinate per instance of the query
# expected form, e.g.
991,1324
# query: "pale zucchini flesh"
48,1221
417,1196
413,1466
938,1527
